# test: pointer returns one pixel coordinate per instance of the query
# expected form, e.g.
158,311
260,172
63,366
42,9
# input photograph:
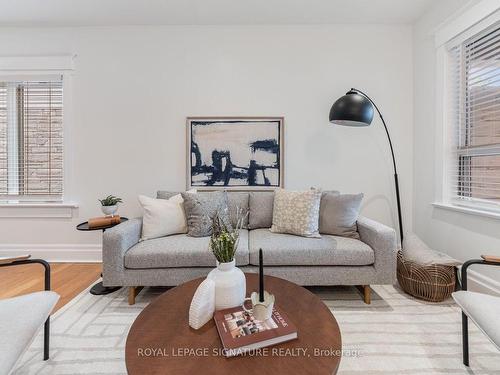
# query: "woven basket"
433,283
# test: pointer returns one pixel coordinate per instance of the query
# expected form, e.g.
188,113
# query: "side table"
99,289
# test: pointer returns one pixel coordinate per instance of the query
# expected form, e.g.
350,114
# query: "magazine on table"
240,332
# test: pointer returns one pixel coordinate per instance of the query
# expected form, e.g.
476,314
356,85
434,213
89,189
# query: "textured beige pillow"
296,212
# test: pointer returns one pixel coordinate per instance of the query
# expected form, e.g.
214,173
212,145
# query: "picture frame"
235,153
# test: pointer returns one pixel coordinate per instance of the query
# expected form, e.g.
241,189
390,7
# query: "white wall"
461,235
134,86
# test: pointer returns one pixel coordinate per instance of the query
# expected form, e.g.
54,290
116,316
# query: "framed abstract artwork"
235,153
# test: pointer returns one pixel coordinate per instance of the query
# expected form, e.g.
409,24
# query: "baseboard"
73,253
477,282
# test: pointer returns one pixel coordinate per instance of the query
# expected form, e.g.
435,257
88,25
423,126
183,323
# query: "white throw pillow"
163,217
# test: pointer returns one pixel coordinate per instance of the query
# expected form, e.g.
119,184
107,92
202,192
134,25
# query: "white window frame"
15,68
471,22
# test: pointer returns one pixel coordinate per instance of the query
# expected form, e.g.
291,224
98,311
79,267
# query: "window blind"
3,140
31,139
475,114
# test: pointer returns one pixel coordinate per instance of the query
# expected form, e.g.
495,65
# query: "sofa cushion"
162,217
180,250
339,213
201,208
289,250
238,200
260,209
323,195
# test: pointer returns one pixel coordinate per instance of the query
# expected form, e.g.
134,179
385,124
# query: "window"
475,114
31,140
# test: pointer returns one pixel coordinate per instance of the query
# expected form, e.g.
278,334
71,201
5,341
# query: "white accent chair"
482,309
22,317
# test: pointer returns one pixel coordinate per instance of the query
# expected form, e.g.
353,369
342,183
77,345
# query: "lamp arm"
396,182
385,127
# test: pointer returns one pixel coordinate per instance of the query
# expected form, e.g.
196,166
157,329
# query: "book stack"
102,222
240,332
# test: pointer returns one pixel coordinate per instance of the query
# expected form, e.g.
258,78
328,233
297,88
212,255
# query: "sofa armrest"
115,243
382,239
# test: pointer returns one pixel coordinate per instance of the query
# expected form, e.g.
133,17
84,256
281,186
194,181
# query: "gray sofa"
330,260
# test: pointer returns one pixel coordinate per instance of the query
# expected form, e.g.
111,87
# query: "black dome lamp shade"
352,109
356,109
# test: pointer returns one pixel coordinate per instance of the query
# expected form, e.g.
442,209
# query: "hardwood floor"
68,279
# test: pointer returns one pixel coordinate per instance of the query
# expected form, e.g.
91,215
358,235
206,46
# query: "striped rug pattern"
396,334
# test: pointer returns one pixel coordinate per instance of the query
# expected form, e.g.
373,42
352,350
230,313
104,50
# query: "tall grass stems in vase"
224,239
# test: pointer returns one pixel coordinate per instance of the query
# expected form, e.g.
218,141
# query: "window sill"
37,209
467,210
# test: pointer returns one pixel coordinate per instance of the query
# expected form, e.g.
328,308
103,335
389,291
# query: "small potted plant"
230,282
109,205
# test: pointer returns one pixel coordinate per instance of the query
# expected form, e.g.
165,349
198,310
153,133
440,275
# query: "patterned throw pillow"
200,208
296,212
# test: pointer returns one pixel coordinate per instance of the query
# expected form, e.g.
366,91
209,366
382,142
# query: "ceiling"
207,12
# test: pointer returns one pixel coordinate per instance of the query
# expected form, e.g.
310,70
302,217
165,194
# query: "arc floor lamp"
355,108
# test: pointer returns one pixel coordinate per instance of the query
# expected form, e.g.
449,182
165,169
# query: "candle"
261,277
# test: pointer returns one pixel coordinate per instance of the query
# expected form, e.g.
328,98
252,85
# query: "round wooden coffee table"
161,342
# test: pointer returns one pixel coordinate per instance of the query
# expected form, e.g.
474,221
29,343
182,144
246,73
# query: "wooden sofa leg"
133,291
366,291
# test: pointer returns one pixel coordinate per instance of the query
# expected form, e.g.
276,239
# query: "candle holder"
261,310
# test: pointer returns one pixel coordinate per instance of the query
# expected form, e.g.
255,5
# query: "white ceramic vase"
230,285
109,210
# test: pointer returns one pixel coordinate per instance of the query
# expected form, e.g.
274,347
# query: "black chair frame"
465,321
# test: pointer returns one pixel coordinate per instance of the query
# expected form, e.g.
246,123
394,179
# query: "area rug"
396,334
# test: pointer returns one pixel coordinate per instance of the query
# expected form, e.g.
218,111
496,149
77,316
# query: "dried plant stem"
224,240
